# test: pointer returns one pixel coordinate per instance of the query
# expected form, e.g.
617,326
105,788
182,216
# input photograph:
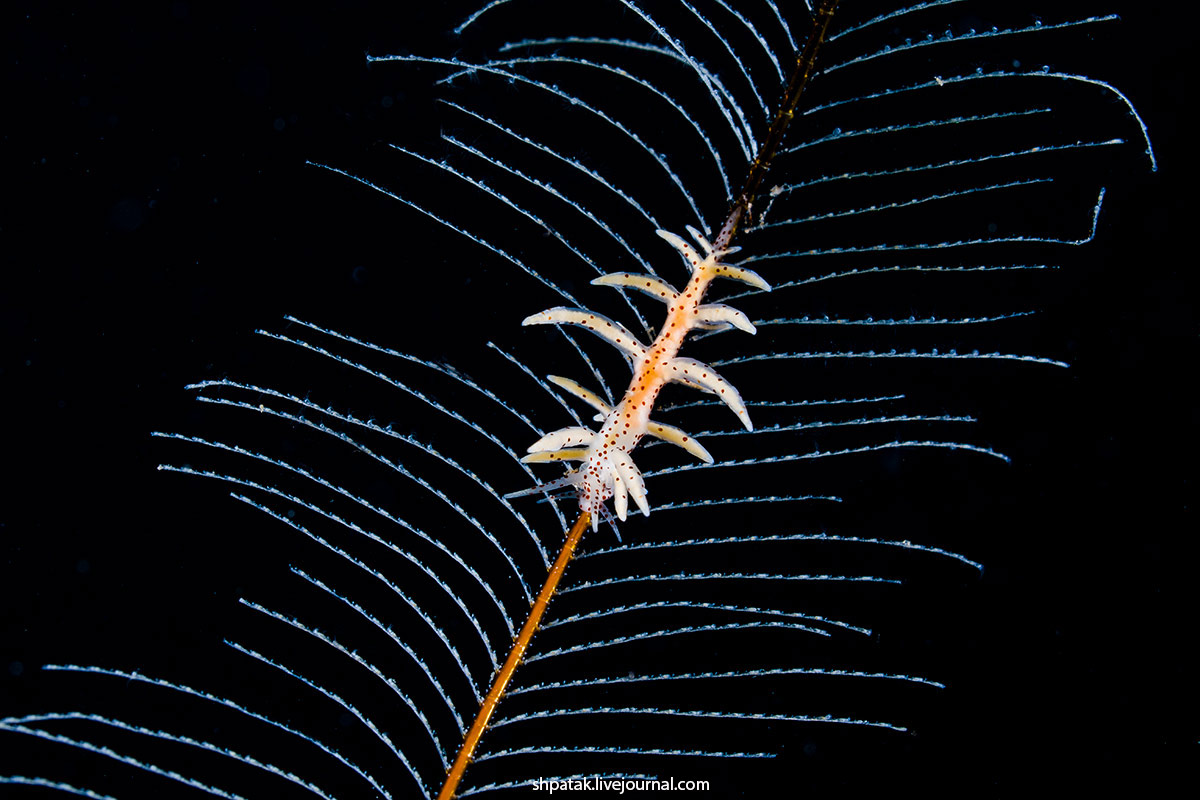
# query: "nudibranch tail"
608,470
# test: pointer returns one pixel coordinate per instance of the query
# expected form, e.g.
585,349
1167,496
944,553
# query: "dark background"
157,209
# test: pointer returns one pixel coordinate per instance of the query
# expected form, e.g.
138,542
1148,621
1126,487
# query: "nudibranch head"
597,483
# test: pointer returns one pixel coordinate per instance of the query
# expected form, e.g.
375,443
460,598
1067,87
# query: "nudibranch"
607,469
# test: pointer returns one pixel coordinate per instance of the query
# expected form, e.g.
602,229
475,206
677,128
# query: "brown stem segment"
514,657
806,61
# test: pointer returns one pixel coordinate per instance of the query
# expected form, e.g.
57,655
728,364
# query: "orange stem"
514,658
805,64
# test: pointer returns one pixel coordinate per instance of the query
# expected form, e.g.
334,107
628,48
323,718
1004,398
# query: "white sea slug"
607,469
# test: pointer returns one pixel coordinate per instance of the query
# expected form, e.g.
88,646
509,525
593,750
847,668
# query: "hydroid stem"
806,61
520,644
805,65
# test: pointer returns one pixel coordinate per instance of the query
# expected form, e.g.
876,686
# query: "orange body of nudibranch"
608,470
